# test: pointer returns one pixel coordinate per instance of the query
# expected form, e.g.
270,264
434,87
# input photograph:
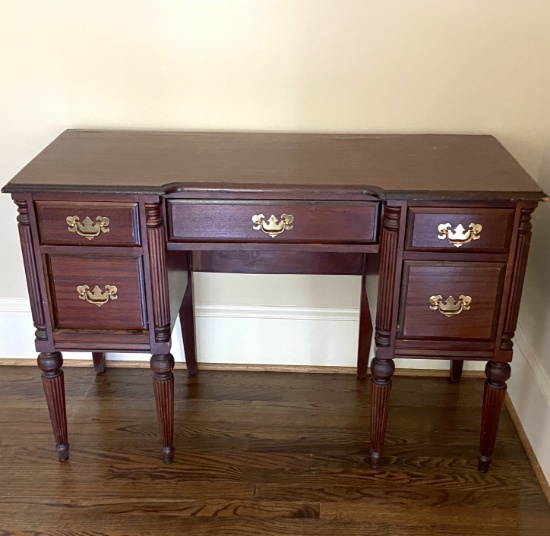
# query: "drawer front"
96,293
84,224
451,300
460,229
273,222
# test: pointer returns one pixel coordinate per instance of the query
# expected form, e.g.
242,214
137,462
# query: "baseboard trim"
304,369
539,473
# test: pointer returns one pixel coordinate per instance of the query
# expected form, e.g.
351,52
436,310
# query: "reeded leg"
365,335
382,372
163,384
99,362
187,322
456,370
54,389
493,397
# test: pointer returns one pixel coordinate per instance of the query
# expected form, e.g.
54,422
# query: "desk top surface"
409,165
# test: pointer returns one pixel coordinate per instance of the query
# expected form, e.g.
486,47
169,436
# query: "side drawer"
321,222
460,229
451,300
96,293
83,224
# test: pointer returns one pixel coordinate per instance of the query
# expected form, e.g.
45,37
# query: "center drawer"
287,222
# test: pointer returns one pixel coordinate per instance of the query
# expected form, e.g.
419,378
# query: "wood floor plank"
259,454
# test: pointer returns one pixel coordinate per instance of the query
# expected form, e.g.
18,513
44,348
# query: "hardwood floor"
257,454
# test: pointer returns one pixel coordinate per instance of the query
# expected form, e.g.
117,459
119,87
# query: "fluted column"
31,269
159,272
493,397
54,389
382,372
163,384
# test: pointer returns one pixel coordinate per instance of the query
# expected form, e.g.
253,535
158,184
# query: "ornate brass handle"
450,307
88,229
97,296
272,226
459,236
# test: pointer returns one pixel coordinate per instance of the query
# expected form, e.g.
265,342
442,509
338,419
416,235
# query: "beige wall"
310,65
344,65
535,312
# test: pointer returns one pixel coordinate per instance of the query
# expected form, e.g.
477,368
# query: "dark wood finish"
365,332
54,390
481,281
187,324
319,222
382,371
495,234
126,312
163,384
99,362
184,201
277,261
436,166
456,370
519,267
390,270
159,272
244,467
123,223
493,398
31,271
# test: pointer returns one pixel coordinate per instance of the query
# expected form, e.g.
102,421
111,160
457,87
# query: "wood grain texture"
520,265
31,271
158,271
123,228
317,222
482,282
390,272
69,271
496,225
259,454
141,162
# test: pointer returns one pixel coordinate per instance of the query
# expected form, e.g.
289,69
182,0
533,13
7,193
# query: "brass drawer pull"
97,296
459,236
450,307
88,229
272,226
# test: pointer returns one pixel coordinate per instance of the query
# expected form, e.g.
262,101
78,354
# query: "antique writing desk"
113,224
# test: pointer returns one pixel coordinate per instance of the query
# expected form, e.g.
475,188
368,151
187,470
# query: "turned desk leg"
99,362
187,323
382,372
54,389
493,397
456,370
163,384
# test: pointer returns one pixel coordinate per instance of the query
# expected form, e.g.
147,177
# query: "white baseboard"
529,392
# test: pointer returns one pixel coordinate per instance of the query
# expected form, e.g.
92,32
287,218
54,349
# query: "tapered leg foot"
99,362
382,372
456,370
493,398
163,384
54,389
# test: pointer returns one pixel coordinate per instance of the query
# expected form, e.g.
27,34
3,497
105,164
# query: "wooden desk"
113,225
